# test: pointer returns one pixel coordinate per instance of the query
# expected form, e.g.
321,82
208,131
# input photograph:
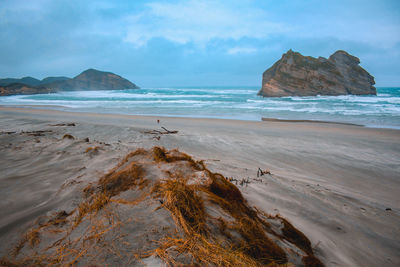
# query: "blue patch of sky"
178,43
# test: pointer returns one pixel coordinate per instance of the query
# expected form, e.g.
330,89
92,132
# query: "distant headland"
298,75
88,80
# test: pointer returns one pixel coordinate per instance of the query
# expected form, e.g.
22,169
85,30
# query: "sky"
193,43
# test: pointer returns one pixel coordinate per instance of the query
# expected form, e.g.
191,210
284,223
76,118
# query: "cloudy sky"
189,43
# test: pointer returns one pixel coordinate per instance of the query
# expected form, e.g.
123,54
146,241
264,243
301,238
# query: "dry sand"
339,184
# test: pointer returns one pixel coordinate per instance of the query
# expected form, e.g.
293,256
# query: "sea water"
241,103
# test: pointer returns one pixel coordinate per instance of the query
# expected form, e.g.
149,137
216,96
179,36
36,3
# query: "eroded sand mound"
158,206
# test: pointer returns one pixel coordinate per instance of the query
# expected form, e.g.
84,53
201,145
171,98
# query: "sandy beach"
338,184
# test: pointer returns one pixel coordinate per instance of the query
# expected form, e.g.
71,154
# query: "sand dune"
336,183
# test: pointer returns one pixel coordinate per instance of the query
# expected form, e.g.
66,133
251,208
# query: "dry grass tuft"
256,244
136,201
240,236
187,208
295,236
34,262
203,253
4,262
225,189
197,243
311,261
94,204
60,218
33,237
121,180
184,203
139,151
160,154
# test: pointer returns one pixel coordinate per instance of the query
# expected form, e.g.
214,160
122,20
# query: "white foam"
240,103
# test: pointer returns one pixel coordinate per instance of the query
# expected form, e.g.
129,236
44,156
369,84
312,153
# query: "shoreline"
262,119
336,183
311,121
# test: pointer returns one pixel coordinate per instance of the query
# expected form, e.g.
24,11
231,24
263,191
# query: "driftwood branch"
166,131
63,124
37,133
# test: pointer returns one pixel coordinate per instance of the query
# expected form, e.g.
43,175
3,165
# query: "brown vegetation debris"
121,180
93,149
60,218
256,243
185,205
295,236
233,234
68,136
160,154
312,261
94,204
33,237
187,209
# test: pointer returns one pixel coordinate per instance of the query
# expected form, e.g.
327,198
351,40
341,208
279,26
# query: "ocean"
239,103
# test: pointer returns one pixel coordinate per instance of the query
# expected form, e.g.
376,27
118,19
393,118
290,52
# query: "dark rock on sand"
298,75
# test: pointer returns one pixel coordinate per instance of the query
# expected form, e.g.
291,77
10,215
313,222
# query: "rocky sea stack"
88,80
298,75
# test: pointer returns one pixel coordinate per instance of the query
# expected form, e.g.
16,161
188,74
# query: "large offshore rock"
298,75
